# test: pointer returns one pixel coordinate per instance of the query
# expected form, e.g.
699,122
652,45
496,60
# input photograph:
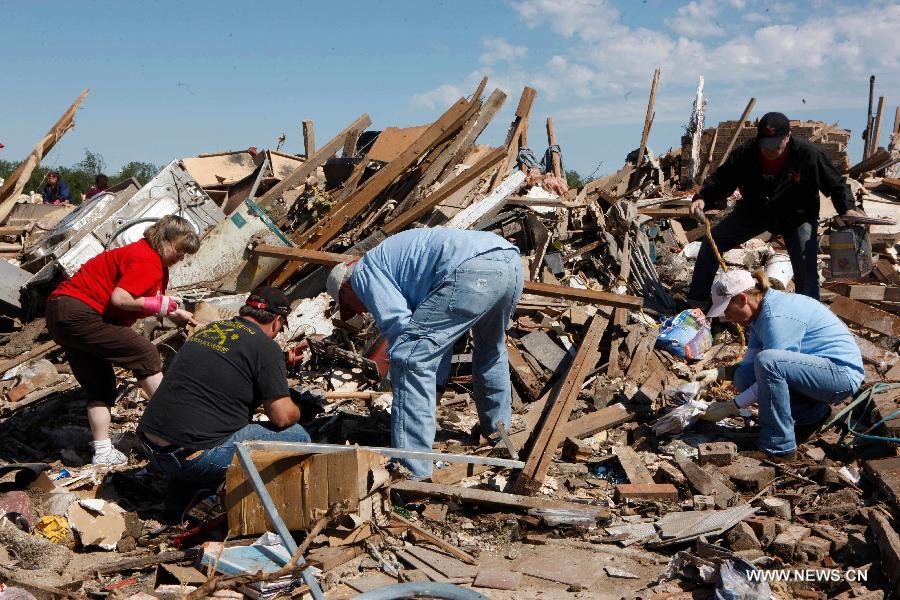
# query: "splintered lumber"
601,420
426,205
634,467
38,351
319,257
737,130
552,431
483,207
866,316
15,183
309,138
491,498
515,136
529,384
309,166
620,320
551,140
877,128
648,120
877,160
425,535
337,218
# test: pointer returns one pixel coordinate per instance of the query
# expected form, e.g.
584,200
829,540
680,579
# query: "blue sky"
174,79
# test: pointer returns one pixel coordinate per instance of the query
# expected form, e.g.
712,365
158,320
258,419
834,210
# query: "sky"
175,79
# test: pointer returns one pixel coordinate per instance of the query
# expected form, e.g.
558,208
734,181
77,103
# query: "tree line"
81,175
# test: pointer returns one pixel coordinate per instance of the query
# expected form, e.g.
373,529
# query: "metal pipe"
272,513
306,448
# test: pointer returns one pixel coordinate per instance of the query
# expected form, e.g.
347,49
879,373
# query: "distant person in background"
55,191
101,184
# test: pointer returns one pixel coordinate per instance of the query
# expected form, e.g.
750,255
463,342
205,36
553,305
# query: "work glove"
722,409
159,305
706,377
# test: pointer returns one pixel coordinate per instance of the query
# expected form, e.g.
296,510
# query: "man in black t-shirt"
206,401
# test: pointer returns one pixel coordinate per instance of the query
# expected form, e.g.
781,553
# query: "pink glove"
159,305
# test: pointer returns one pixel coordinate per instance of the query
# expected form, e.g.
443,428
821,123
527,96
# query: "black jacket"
792,198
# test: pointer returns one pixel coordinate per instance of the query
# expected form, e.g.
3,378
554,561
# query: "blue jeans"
209,466
738,227
816,383
480,295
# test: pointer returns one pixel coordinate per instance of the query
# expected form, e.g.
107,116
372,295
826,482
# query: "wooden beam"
551,140
427,204
439,542
634,467
889,293
521,372
309,138
339,216
306,255
355,176
867,135
15,183
737,130
309,166
350,141
648,120
620,320
601,420
877,160
877,130
552,431
496,499
515,135
866,316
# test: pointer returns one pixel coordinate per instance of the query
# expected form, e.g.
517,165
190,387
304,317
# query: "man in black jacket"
779,178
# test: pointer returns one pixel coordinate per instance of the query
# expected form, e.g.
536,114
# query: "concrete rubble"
598,500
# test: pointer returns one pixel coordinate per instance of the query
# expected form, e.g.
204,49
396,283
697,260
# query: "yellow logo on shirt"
218,335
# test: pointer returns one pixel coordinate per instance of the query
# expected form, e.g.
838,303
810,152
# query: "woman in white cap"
800,359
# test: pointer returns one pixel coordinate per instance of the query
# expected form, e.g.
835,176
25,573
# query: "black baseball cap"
271,300
771,129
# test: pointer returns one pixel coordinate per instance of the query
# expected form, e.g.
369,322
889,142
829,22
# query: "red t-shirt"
774,167
136,268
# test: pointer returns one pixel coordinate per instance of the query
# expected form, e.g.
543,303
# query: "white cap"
726,286
339,274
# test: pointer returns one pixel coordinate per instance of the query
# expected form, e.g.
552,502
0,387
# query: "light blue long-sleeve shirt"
395,277
799,324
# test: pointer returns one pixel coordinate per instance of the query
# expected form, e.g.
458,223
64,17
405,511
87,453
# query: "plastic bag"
734,583
687,335
680,417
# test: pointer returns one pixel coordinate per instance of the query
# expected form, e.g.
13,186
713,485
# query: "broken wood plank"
620,320
551,433
425,535
866,316
648,120
551,141
634,467
529,384
647,491
337,218
15,183
601,420
38,351
514,138
737,130
496,499
445,565
308,167
309,138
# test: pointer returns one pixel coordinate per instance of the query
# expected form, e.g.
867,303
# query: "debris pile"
605,479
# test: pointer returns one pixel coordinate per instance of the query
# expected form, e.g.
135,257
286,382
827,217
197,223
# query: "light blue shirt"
396,276
798,323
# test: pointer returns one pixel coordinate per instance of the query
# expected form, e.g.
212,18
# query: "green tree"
574,180
142,171
92,163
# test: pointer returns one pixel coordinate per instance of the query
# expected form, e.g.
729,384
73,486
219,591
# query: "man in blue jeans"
214,385
779,178
426,288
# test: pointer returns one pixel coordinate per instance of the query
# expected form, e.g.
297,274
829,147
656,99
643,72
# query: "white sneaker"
111,457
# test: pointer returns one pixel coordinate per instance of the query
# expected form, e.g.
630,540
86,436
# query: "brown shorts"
92,347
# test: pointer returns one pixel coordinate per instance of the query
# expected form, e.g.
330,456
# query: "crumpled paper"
680,417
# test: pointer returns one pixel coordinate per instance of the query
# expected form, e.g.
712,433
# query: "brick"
747,474
763,527
720,454
669,473
778,507
647,491
838,538
742,537
815,548
750,555
702,502
785,544
860,551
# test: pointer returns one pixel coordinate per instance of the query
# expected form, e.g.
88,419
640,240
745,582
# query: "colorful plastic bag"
687,335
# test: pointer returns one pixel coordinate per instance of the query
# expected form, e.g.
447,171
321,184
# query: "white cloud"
440,97
697,19
499,50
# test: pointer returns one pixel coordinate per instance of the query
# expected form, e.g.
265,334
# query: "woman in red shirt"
90,317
